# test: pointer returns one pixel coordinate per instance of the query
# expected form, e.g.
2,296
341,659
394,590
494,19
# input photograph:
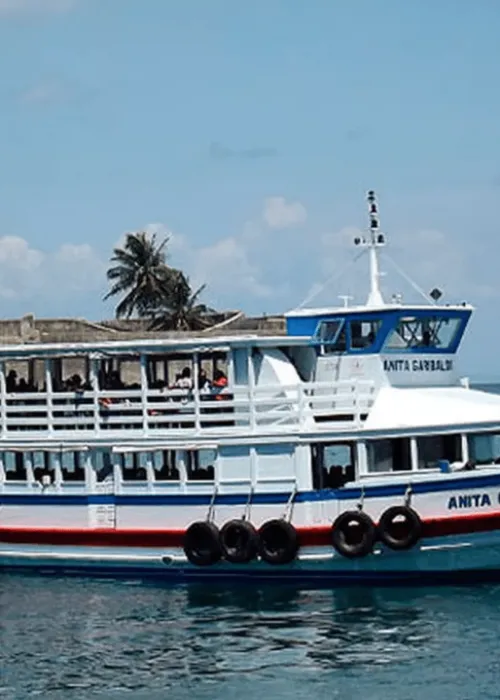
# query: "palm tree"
181,309
141,273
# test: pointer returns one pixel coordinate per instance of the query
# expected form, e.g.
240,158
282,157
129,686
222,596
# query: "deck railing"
154,412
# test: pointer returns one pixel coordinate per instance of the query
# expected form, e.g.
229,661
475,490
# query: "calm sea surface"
80,638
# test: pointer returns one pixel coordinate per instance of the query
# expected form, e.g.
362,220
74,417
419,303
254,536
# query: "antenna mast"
375,241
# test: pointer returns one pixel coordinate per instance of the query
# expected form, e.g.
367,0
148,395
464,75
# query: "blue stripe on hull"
346,493
284,576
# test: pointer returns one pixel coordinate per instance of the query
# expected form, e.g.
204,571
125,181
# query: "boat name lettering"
418,365
475,500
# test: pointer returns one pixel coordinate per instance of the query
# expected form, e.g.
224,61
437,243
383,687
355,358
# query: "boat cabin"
393,344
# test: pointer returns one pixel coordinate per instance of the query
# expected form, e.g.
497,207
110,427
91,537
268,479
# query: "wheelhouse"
415,330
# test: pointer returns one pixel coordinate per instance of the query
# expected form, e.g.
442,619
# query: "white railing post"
94,381
414,454
55,460
196,394
3,396
144,393
464,447
49,395
251,390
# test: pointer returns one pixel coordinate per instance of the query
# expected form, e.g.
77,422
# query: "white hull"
460,515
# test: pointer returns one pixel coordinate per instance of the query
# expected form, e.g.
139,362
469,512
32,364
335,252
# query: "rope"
408,279
331,279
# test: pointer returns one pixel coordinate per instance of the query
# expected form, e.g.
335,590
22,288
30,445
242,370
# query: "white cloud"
20,7
225,267
278,213
27,273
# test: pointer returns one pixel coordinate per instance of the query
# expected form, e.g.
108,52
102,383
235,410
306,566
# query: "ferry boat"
347,450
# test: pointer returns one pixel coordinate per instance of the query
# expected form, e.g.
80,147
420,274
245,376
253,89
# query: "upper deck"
116,391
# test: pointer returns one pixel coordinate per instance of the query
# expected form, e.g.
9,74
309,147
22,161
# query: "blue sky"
250,132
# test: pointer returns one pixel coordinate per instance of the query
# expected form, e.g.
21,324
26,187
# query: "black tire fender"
278,542
353,534
202,544
239,541
399,527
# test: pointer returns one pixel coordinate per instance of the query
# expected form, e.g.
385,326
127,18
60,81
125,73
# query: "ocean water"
80,638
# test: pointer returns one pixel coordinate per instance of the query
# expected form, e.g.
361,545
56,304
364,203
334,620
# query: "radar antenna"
373,242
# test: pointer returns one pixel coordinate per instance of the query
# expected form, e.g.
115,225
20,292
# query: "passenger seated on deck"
115,383
219,383
11,382
184,381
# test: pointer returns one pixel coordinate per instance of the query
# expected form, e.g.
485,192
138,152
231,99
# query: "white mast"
375,241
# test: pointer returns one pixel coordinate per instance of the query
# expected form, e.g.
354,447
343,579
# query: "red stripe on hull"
308,536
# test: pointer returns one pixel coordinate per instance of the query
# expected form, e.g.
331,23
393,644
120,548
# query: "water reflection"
58,635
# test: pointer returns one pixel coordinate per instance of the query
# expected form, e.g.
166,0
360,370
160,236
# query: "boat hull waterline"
462,546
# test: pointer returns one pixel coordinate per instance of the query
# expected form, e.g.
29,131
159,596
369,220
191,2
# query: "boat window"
24,376
133,466
70,374
484,448
389,455
120,373
73,466
165,466
333,464
15,466
423,332
364,333
42,466
177,371
433,448
102,464
200,465
332,336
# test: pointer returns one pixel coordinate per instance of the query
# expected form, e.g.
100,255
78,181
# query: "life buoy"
202,544
353,534
278,542
239,541
399,527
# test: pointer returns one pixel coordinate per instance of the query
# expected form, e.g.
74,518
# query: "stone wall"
29,329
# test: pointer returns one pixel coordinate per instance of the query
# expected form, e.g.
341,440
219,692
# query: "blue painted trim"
245,575
461,483
309,326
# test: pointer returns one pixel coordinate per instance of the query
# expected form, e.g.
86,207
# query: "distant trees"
151,289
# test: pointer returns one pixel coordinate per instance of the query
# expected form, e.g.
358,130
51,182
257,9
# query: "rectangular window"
363,334
133,466
332,336
43,467
165,466
200,465
389,455
102,464
433,332
15,467
484,448
333,464
73,466
433,448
